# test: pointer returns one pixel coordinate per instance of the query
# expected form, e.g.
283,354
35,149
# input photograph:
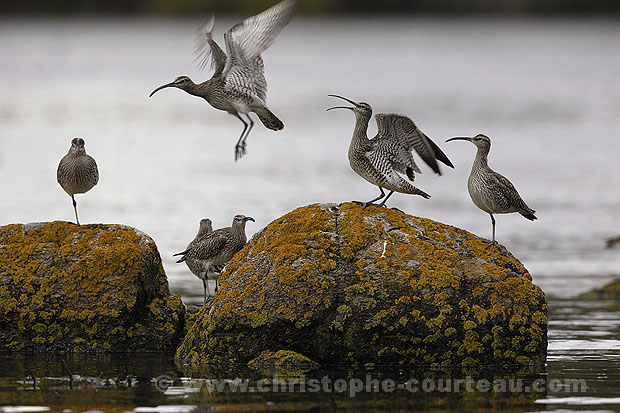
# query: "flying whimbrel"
490,191
238,84
382,159
77,172
215,249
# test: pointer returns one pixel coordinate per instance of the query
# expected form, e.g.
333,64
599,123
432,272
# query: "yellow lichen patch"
84,282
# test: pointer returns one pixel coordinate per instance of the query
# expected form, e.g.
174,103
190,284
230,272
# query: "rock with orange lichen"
93,287
346,285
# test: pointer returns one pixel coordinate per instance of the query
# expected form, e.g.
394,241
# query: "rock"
346,285
610,291
93,287
282,363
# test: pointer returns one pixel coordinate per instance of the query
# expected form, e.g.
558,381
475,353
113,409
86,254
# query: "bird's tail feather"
270,120
529,214
180,253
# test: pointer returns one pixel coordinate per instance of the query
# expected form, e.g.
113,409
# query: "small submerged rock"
282,362
94,287
346,285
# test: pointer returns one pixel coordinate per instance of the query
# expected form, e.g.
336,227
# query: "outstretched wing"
401,129
387,155
245,41
208,50
248,39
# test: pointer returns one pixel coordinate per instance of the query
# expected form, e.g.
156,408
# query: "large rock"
345,285
96,287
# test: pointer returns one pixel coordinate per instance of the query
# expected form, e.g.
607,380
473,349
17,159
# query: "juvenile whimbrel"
490,191
238,85
215,249
382,159
77,172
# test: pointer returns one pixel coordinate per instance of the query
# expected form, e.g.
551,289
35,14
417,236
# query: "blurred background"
539,78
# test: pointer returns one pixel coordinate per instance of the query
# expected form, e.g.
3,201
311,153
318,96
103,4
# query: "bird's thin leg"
77,220
386,198
247,133
204,287
493,223
365,204
216,285
238,147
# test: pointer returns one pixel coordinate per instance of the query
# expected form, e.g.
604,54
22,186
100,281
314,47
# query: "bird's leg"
204,287
365,204
246,134
493,242
216,286
386,198
239,151
77,220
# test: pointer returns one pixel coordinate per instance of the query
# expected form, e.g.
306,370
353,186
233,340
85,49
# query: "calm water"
546,92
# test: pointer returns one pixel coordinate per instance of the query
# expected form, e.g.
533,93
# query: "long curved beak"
162,87
459,138
343,107
249,219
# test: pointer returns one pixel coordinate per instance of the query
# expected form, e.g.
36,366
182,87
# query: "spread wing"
388,155
245,41
208,50
401,129
251,37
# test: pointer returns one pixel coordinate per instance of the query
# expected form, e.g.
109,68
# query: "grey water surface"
547,92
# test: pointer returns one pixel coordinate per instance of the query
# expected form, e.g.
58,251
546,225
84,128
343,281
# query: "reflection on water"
577,378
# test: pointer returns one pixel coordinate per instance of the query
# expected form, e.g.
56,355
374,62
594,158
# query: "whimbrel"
77,172
215,249
194,265
238,84
490,191
382,159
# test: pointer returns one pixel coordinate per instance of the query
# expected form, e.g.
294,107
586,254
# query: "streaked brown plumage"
215,249
382,159
238,85
490,191
194,265
77,172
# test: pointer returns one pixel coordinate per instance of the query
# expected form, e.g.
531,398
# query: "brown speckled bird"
382,159
215,249
492,192
77,172
238,85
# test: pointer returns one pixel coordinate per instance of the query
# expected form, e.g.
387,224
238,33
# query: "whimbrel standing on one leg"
238,85
217,248
77,172
381,159
490,191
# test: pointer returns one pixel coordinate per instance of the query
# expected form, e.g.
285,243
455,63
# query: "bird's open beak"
459,138
343,107
162,87
249,219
